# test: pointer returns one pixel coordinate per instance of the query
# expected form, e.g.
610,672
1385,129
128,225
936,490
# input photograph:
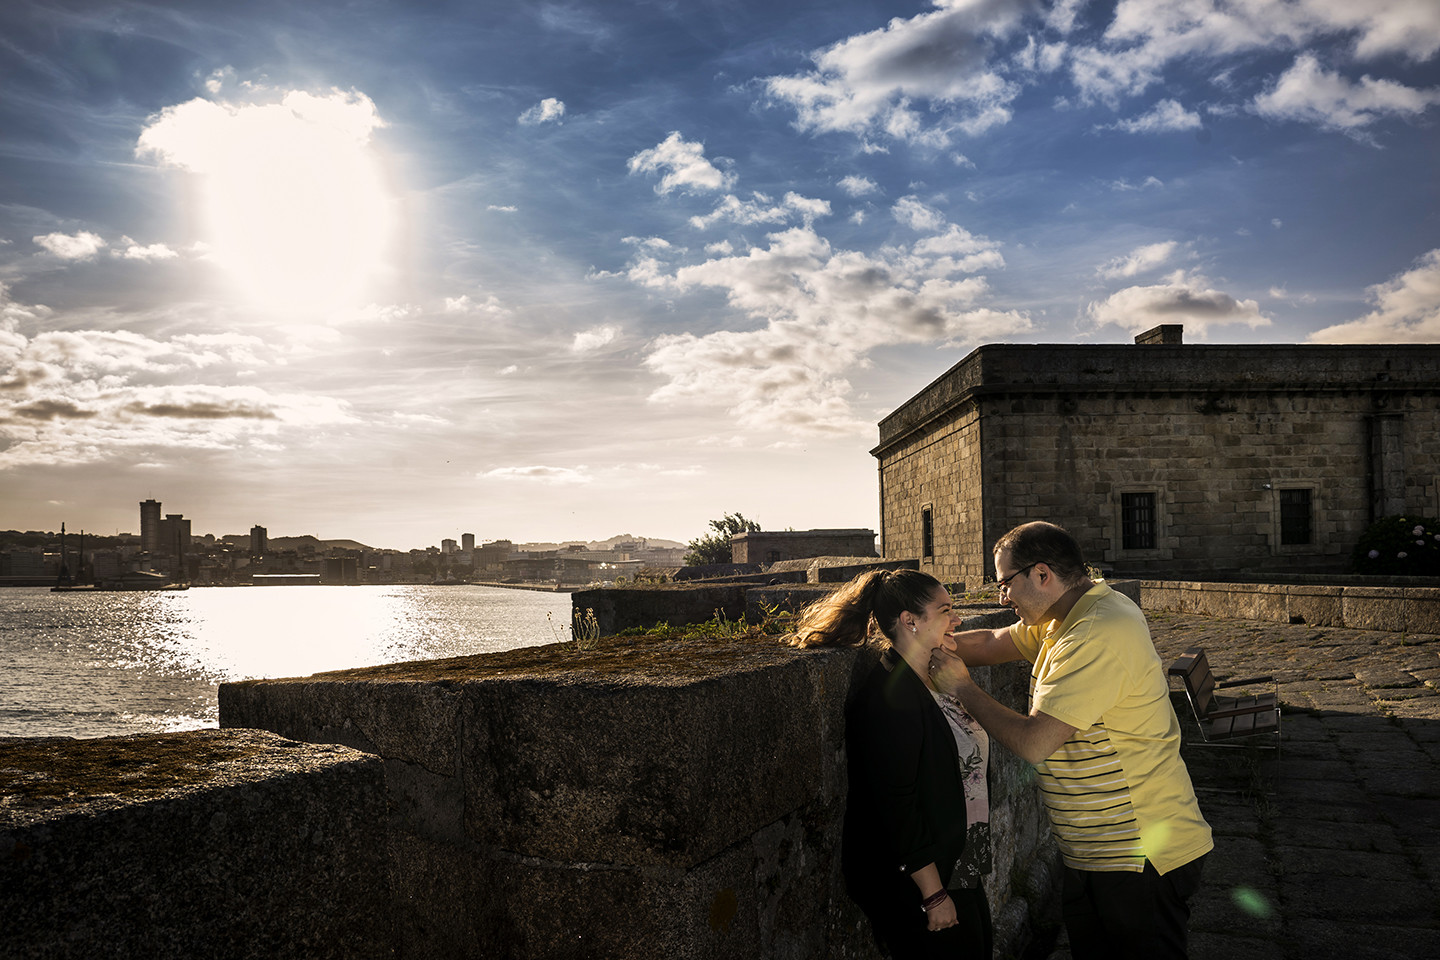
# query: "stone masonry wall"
1214,432
1215,473
939,470
1397,609
641,798
201,845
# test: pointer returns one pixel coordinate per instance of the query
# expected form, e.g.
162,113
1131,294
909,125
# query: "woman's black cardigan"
906,806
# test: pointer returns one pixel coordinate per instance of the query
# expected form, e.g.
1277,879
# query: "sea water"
92,664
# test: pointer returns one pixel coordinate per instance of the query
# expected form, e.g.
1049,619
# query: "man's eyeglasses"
1004,583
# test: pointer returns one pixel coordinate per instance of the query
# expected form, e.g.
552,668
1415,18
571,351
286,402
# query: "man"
1105,742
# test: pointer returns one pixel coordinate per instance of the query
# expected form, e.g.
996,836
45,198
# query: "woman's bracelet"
934,900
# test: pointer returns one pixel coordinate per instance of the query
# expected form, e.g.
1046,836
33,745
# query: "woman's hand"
941,915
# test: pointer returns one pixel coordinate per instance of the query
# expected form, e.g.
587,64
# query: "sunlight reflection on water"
96,664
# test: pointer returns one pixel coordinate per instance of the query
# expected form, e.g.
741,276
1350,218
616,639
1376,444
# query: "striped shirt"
1117,791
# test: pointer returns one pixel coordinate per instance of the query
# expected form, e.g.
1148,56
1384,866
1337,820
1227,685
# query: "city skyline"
576,268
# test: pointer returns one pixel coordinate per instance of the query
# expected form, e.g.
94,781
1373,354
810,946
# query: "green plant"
1399,546
714,547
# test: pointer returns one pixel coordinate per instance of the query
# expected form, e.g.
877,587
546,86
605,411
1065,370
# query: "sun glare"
295,204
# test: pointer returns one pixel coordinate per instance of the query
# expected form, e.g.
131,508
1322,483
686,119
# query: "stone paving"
1331,851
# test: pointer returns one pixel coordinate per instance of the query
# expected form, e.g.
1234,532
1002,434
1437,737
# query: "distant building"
23,562
448,547
259,541
150,526
772,546
1163,459
342,570
467,542
174,536
494,553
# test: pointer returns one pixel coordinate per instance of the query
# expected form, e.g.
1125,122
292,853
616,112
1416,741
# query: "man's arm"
1032,737
985,648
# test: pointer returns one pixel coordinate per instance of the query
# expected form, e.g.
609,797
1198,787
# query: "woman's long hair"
844,616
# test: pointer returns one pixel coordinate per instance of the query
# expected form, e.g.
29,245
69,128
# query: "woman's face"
934,625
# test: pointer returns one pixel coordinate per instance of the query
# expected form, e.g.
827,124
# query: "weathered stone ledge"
197,845
1396,609
640,798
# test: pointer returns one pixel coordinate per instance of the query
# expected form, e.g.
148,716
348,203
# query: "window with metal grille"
1137,521
1294,517
927,533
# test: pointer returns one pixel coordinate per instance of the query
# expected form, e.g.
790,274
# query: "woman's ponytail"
844,617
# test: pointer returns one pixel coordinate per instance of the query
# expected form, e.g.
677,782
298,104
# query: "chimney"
1166,333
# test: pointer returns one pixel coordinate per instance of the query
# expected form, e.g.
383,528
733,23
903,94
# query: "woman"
916,836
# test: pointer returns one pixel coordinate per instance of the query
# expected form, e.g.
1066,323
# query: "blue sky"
566,270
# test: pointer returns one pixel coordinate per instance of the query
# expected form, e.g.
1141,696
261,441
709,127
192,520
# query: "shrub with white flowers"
1404,546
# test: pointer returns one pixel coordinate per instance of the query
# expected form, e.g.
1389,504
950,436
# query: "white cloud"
761,209
866,84
684,164
81,246
1406,309
1145,36
587,341
650,243
1181,298
916,215
549,110
1138,260
155,251
498,208
391,312
1125,186
88,396
1309,94
823,311
1164,117
858,186
549,476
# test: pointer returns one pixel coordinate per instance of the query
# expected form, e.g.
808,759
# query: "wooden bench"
1226,718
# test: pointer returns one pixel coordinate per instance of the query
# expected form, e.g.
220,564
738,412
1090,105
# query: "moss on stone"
47,770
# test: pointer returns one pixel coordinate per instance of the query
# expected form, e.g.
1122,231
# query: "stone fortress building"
1165,460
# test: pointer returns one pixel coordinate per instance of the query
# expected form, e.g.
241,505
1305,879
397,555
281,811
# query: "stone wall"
1397,609
191,846
771,546
938,471
640,798
1214,432
622,608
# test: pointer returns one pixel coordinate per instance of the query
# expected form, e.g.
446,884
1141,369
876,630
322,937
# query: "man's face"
1017,591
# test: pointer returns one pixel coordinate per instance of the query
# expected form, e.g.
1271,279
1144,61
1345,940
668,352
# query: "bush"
1400,546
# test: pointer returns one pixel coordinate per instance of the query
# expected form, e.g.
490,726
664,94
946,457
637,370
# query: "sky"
564,270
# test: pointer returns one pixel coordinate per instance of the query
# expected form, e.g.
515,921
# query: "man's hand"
948,673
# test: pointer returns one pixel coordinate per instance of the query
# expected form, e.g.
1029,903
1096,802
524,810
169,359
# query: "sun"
294,202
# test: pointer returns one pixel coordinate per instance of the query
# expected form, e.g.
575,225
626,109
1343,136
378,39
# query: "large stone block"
1373,608
1318,606
643,798
1422,610
206,844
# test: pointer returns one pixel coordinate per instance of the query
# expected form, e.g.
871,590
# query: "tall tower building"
174,537
150,526
467,542
257,541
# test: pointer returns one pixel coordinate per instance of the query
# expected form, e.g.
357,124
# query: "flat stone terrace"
1331,852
